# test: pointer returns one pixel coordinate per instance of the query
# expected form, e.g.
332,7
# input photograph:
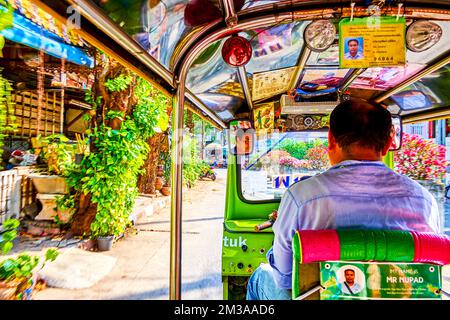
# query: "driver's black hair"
361,123
357,42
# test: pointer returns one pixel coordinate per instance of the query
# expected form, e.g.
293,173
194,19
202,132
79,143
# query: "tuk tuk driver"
359,191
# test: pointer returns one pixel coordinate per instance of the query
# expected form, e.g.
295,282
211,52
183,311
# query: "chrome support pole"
349,78
99,19
196,101
176,194
231,18
302,59
242,74
430,69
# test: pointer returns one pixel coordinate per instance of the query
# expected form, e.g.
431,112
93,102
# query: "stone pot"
105,243
159,182
49,184
165,190
48,211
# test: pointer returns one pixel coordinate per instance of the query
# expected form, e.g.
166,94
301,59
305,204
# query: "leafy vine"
7,118
110,173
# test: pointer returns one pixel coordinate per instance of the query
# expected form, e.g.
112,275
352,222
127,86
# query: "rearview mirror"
242,138
397,131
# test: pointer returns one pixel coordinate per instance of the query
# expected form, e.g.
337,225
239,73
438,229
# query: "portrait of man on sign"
353,48
350,285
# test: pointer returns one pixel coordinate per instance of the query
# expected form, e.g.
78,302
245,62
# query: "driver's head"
349,276
359,130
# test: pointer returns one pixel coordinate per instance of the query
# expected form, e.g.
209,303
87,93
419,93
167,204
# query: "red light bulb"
236,51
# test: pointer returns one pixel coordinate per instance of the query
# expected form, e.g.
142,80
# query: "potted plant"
165,190
104,243
18,274
159,183
58,155
105,228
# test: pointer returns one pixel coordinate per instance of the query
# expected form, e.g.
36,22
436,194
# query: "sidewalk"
141,270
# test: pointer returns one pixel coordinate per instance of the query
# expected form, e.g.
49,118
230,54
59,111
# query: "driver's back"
361,194
350,195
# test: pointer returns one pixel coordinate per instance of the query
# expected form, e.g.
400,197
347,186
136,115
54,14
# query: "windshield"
280,160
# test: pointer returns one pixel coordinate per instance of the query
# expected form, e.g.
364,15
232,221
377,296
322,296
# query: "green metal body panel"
239,229
243,252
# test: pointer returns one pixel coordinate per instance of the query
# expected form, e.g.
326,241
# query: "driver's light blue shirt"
352,195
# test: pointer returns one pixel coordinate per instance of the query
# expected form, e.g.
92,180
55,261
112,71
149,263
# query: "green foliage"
57,153
8,235
191,160
110,173
51,255
119,83
20,267
23,265
7,118
6,20
299,149
114,114
65,202
164,158
150,111
90,98
204,168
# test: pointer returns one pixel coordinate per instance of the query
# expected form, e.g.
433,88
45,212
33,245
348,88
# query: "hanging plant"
6,20
7,118
109,175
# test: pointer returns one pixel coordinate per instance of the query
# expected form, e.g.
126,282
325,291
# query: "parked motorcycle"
207,172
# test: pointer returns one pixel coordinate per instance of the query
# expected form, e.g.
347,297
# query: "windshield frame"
239,168
241,194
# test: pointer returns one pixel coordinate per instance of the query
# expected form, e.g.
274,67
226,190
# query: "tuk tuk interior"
283,76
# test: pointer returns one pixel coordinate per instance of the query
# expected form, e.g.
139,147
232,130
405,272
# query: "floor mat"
77,269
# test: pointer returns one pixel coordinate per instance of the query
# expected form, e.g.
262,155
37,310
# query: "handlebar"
264,225
268,223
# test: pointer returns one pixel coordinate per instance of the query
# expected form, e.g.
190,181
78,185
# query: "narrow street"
142,267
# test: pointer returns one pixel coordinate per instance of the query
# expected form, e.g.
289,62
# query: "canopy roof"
169,40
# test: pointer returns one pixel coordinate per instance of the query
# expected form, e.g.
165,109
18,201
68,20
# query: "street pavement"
143,260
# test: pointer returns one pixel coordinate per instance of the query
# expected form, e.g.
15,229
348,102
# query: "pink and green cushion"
371,245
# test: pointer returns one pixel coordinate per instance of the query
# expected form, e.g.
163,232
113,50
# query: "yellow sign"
264,116
372,42
270,83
